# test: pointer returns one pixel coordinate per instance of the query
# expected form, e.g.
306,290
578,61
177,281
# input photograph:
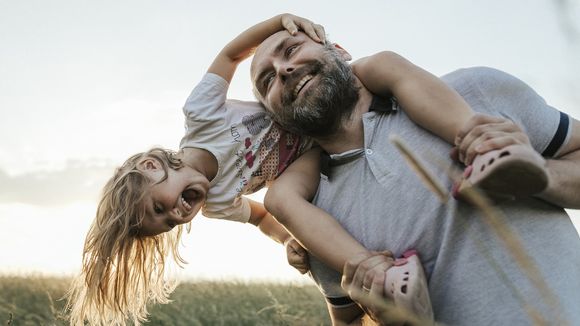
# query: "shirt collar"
378,104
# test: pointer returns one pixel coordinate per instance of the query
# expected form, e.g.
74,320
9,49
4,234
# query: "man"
370,190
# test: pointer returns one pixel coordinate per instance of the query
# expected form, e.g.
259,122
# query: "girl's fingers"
320,32
294,23
309,29
289,24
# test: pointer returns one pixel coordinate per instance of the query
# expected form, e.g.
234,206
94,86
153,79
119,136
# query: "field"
35,301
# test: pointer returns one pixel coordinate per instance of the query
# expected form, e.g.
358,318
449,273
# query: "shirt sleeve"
495,92
561,137
206,99
239,210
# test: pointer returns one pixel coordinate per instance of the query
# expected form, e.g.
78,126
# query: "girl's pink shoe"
406,284
504,174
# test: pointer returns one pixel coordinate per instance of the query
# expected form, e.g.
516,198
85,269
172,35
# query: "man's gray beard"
323,110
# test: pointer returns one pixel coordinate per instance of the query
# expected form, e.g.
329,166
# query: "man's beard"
323,108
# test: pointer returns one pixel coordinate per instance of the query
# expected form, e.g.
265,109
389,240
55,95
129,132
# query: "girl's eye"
157,209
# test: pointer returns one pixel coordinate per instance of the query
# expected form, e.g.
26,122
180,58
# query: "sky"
85,84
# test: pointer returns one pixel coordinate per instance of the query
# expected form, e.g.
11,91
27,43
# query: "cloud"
78,181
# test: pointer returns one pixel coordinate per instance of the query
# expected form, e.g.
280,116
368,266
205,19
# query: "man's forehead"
268,44
272,46
267,47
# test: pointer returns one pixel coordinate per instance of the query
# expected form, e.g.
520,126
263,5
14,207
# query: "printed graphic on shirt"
255,123
263,158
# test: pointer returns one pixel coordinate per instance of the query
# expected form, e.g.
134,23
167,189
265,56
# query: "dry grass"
35,300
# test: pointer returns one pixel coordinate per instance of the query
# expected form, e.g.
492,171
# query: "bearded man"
310,89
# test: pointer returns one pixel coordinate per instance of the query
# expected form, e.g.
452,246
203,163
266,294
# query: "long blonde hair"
122,271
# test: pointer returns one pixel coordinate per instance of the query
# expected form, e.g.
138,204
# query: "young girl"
230,148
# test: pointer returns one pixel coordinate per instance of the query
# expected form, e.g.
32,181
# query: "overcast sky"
85,84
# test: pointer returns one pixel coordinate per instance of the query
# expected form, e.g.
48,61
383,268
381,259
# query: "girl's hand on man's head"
294,23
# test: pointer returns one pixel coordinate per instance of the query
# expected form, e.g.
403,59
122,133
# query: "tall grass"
35,300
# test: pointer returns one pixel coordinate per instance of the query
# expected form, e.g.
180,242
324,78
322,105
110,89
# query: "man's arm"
564,171
483,133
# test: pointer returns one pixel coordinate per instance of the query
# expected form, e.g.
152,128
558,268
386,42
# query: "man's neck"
351,134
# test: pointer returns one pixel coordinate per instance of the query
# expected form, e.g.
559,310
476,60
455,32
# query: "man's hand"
364,280
297,255
483,133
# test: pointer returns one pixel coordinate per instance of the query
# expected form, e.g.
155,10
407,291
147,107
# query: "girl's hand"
294,23
297,256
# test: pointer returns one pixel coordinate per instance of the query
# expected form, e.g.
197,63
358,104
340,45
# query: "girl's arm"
260,217
288,200
295,253
427,100
244,44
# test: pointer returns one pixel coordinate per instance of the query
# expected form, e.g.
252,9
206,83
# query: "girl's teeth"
185,203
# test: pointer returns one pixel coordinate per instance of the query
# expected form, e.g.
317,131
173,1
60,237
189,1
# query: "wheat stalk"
493,218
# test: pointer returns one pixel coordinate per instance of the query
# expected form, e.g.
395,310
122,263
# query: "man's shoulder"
480,75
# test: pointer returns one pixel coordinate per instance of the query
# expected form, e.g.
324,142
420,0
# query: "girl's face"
172,201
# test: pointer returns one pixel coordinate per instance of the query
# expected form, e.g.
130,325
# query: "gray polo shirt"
472,277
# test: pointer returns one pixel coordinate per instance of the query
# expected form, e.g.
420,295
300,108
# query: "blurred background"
85,84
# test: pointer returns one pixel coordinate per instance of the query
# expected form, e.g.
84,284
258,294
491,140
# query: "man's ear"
149,164
345,55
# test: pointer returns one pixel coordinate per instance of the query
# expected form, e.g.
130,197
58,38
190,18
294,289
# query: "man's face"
308,87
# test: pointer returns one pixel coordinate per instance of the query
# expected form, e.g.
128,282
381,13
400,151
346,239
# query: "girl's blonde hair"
122,271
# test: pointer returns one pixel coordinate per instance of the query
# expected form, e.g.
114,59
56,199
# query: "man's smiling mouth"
301,84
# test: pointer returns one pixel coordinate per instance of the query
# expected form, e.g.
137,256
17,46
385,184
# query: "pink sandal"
406,284
504,174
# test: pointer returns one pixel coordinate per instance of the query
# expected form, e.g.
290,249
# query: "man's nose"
285,70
